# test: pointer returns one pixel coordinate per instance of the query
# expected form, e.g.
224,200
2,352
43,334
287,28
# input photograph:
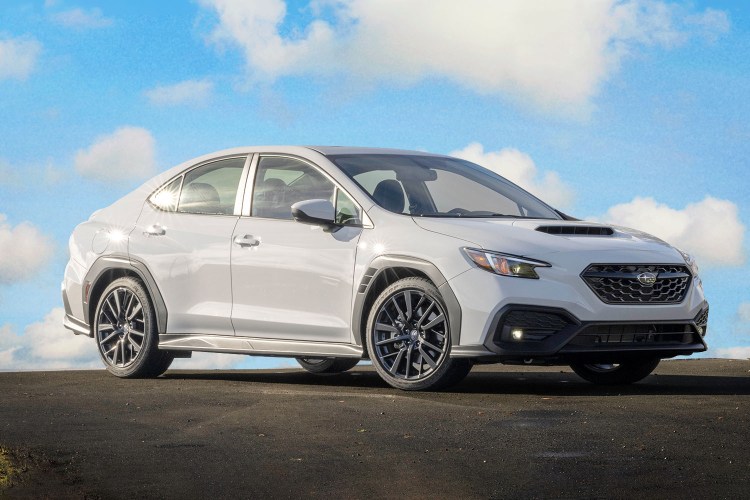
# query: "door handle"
247,240
155,230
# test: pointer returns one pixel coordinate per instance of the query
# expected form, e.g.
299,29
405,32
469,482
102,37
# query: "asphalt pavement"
505,432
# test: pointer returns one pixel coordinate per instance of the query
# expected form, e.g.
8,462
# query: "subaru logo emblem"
647,279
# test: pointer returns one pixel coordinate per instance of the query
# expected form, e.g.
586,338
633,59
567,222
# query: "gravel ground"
520,432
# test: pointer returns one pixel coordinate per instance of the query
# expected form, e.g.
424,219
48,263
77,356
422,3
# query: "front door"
292,280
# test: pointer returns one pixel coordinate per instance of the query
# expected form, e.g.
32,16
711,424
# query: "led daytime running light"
503,264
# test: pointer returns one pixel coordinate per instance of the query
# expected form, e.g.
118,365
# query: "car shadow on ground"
545,383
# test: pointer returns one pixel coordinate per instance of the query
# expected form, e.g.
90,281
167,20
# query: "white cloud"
740,352
82,19
710,230
553,53
518,167
187,92
208,361
9,176
711,23
13,175
23,251
46,345
18,57
743,311
127,153
742,319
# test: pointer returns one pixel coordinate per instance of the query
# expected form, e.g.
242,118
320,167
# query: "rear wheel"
409,337
626,372
327,365
125,331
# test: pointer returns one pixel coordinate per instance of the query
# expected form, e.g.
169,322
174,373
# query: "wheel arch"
109,268
387,269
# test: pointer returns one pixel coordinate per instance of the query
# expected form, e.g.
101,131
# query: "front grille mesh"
639,334
536,320
619,284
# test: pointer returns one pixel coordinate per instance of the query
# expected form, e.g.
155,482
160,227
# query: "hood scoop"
573,230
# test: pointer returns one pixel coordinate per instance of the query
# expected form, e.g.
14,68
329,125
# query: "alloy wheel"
410,333
120,327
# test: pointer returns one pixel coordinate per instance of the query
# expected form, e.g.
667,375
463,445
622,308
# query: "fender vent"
577,230
366,279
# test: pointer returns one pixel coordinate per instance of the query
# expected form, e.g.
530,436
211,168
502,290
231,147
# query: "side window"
212,188
347,212
281,182
166,198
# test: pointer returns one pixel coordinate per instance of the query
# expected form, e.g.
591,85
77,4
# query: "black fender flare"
108,263
384,262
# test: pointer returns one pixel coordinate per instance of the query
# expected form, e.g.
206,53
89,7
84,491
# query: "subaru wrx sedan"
423,263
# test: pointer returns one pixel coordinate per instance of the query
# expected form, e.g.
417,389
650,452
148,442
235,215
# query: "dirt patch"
27,474
10,468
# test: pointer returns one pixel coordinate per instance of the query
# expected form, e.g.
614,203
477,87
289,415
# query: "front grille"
620,284
638,334
577,230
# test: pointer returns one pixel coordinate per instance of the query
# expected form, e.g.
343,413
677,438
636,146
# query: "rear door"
292,280
184,237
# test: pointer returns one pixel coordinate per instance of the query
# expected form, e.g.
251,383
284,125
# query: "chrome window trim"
161,188
243,176
248,188
239,196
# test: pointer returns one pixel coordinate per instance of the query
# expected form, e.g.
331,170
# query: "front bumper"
528,332
578,324
71,289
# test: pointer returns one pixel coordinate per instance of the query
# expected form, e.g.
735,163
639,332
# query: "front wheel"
125,331
327,365
627,372
409,337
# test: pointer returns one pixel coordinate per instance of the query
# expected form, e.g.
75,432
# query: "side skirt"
257,347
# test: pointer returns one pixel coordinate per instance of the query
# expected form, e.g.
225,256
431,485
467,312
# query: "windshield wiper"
437,214
476,216
508,216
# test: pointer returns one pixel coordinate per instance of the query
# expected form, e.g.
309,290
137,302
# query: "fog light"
516,333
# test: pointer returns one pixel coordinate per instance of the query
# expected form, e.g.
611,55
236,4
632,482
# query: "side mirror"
316,212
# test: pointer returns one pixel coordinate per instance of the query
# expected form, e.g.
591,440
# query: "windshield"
433,186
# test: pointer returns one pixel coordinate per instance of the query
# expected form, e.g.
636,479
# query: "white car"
423,263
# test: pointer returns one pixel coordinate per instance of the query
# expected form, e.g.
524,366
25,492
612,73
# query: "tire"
327,365
409,340
627,372
125,331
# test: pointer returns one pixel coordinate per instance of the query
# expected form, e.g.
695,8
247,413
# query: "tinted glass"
431,186
347,212
212,188
281,182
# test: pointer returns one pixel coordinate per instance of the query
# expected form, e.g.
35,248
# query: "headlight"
504,264
690,261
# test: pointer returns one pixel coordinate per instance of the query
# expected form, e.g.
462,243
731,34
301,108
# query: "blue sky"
630,112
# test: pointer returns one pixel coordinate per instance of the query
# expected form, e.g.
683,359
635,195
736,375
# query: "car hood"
522,237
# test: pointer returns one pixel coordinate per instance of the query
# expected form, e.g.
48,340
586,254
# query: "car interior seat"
390,195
